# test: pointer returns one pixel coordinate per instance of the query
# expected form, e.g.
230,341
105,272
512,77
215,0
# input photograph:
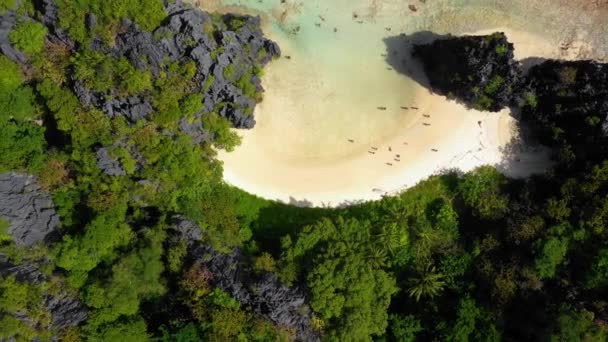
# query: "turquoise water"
337,77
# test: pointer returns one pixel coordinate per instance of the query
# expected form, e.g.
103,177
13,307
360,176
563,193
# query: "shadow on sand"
399,54
523,156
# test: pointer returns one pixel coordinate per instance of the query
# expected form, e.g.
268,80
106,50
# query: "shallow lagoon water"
338,75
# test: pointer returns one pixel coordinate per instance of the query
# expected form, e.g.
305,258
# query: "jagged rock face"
479,71
7,22
107,164
264,294
111,165
571,97
188,35
28,209
66,311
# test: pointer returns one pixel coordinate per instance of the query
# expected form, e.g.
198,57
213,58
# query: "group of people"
397,157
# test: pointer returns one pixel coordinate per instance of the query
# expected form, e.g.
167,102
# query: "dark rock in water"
28,209
264,294
7,22
570,97
66,311
107,164
479,71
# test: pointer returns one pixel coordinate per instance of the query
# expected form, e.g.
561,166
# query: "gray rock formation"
186,36
107,164
49,17
66,311
28,209
7,22
264,294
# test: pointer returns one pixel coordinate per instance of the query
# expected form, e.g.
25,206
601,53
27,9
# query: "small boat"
382,108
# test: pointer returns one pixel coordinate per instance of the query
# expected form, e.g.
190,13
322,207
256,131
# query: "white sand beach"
320,138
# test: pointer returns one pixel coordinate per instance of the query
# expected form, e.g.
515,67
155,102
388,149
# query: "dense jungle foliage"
459,257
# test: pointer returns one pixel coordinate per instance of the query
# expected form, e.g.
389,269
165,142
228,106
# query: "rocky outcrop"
65,310
107,164
264,294
569,97
28,209
479,71
7,22
189,34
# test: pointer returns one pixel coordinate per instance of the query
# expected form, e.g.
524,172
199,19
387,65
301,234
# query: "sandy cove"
323,142
438,136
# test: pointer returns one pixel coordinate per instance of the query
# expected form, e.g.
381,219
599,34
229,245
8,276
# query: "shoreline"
298,156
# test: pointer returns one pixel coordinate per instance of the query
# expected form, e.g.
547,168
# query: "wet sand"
333,128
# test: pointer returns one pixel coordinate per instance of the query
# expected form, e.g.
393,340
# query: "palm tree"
376,257
427,283
391,238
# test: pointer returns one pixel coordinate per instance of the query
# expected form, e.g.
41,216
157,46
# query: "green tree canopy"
29,36
349,293
481,190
